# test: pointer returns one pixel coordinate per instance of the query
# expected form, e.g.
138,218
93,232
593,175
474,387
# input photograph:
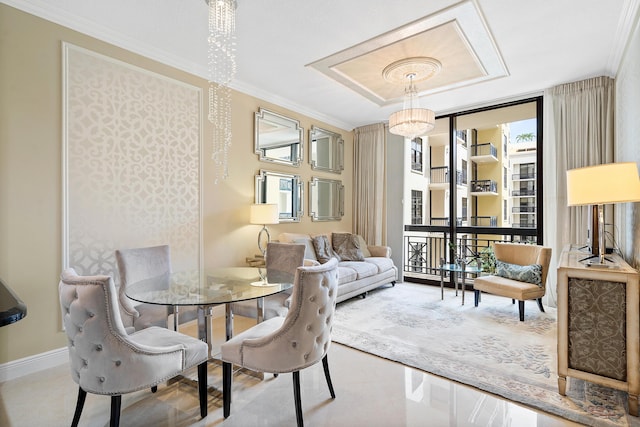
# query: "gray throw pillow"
363,246
324,251
347,246
309,250
523,273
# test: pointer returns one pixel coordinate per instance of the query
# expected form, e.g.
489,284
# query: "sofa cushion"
363,269
382,263
346,275
522,273
347,246
324,251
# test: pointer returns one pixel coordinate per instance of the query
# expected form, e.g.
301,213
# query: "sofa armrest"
380,251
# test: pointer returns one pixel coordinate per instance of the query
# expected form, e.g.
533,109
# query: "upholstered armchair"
105,360
521,276
281,262
145,263
292,343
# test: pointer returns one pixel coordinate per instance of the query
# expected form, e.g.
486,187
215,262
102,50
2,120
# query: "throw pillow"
347,246
324,251
523,273
363,246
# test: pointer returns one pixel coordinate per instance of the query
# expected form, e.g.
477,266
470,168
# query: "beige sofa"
354,277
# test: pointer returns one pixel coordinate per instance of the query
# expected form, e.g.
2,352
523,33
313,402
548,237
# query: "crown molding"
629,17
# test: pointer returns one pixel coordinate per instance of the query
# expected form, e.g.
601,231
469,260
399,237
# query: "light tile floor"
370,391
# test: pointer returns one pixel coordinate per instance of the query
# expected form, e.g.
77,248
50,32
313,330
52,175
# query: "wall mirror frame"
326,199
326,150
283,189
278,139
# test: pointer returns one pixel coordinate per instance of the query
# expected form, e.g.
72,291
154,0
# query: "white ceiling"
541,43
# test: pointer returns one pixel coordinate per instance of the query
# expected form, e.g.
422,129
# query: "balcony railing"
426,245
444,221
484,186
524,224
523,209
524,192
484,221
521,176
440,175
486,149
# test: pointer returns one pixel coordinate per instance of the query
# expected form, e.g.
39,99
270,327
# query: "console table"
598,331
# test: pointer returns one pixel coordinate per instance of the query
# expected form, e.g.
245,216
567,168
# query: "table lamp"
263,214
599,185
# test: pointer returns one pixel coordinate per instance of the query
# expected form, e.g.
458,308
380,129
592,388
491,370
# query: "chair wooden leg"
513,301
521,310
476,297
202,388
116,402
226,388
82,396
540,304
154,389
298,400
327,375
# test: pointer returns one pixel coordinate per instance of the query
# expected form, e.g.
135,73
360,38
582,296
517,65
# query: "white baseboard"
29,365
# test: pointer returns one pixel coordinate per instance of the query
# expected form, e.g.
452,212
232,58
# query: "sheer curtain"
579,131
369,182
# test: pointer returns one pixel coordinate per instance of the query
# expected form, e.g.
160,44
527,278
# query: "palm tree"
525,137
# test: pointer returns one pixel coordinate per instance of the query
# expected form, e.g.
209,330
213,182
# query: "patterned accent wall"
132,144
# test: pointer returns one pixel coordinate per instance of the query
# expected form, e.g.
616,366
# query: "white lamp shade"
264,213
411,122
603,184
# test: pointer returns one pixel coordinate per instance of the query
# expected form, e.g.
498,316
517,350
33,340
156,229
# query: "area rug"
486,347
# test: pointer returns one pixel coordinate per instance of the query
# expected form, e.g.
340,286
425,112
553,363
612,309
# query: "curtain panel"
369,215
579,131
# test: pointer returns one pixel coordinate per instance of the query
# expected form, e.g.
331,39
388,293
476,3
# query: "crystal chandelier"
222,69
412,120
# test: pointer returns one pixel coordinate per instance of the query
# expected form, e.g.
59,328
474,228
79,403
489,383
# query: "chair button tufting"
312,298
91,314
101,379
85,362
306,356
118,362
294,344
308,327
99,347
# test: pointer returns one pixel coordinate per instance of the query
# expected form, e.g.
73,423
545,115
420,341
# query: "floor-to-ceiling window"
482,183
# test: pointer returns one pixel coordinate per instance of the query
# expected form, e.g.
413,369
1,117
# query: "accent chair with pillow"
521,274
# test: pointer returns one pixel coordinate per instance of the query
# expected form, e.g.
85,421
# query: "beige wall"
31,180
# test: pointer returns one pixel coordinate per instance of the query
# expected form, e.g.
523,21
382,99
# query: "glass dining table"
206,289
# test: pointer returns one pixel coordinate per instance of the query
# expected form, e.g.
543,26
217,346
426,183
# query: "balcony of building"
484,221
484,153
527,176
524,192
483,187
440,178
524,223
445,221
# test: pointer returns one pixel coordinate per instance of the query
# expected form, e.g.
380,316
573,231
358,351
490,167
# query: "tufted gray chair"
292,343
105,360
145,263
281,262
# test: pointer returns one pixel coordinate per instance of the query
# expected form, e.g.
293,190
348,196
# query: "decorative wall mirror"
282,189
326,150
326,199
278,139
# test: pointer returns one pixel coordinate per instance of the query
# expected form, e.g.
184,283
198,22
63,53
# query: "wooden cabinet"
598,339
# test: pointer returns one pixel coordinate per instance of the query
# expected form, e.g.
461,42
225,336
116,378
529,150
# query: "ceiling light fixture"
222,69
412,120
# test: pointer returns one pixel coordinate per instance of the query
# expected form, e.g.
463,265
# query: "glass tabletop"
217,286
458,268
